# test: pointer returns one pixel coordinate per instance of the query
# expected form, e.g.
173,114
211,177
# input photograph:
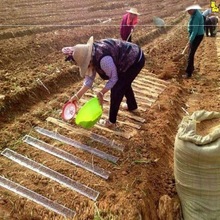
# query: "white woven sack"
197,168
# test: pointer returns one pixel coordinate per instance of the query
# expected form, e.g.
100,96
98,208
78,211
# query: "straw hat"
193,7
82,55
133,11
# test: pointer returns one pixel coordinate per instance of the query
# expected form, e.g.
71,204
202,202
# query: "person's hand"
74,98
100,97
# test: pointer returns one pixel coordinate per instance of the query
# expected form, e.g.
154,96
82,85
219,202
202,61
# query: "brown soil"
35,82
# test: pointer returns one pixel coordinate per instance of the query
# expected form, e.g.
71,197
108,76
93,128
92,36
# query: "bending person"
117,61
211,26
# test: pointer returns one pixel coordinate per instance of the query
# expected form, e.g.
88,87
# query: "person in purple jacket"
129,20
117,61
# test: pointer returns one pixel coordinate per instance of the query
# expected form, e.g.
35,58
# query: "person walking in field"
129,20
117,61
196,34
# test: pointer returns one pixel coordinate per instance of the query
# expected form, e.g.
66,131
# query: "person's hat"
133,11
81,54
193,7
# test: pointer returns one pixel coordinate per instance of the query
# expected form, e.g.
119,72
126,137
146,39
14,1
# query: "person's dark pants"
208,27
123,88
193,47
212,30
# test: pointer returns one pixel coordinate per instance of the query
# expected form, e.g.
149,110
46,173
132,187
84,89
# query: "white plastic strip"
65,156
106,141
39,199
146,74
76,144
45,171
141,85
96,137
153,82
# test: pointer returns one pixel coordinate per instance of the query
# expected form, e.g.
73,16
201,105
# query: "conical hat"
193,7
82,55
133,11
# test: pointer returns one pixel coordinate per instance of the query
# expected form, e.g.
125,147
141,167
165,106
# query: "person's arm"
88,82
195,29
108,66
79,94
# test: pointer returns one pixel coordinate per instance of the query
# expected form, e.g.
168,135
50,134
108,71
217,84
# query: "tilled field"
129,175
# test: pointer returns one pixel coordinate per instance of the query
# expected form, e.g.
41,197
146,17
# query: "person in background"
211,24
196,34
129,20
117,61
206,14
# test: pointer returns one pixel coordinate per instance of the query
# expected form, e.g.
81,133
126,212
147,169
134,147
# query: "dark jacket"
123,53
